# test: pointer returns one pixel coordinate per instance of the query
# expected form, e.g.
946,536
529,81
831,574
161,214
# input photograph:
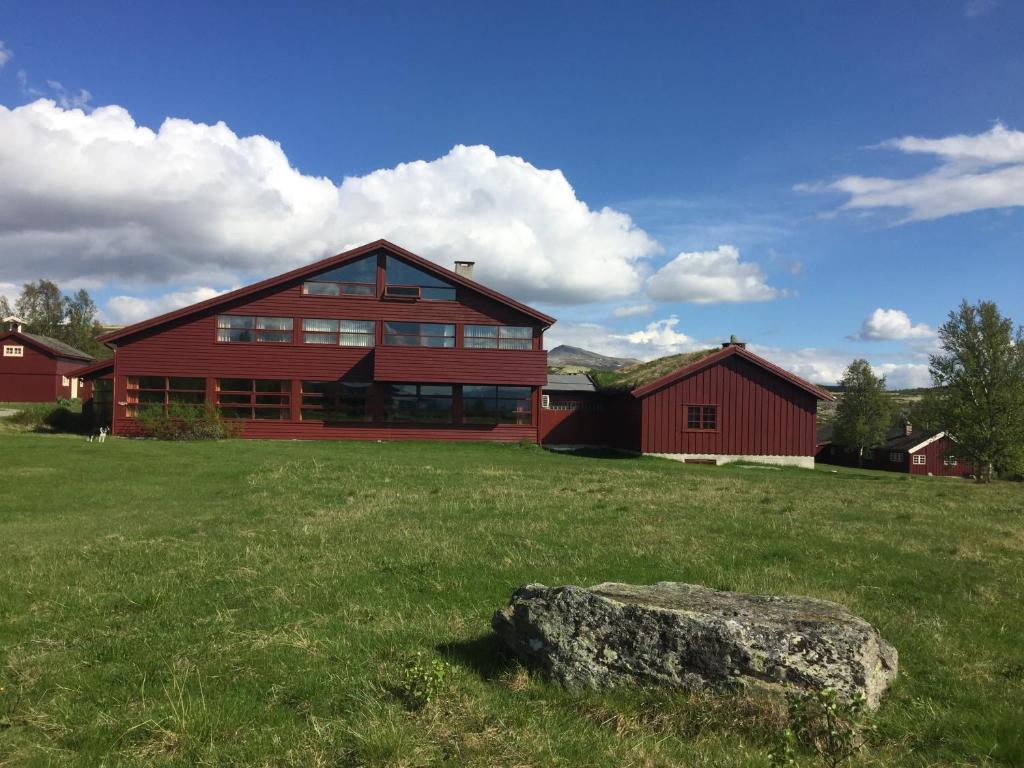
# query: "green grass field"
253,603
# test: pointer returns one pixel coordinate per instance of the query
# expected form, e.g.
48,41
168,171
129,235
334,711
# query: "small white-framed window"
14,350
895,456
65,381
949,461
919,459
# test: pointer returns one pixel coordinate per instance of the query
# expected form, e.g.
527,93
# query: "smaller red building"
34,368
914,451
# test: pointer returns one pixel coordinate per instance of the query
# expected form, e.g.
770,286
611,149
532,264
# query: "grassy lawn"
253,603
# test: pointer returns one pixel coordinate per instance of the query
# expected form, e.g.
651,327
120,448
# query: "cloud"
6,54
657,339
976,172
96,196
975,8
827,366
633,310
124,310
706,277
892,325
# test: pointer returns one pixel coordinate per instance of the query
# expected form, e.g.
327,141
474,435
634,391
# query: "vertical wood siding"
758,413
935,455
34,378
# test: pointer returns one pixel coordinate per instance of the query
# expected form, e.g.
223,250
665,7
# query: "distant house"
720,406
34,368
915,451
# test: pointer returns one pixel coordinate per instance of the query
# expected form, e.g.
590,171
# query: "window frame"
895,457
309,400
420,293
255,330
923,459
498,397
14,350
283,394
385,335
498,338
387,396
949,461
133,407
339,334
702,417
368,290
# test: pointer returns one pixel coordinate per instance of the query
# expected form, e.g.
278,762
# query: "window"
486,404
919,459
264,330
702,417
357,278
406,276
949,461
576,405
419,334
145,392
102,401
335,401
895,456
418,402
497,337
13,350
264,399
346,333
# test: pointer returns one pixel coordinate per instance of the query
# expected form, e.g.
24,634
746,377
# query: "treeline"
70,318
978,398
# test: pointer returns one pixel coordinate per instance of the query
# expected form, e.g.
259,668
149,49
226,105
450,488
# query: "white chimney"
464,269
13,323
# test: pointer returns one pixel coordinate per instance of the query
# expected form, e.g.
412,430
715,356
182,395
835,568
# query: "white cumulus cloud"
93,195
892,325
633,310
706,277
124,310
5,54
975,172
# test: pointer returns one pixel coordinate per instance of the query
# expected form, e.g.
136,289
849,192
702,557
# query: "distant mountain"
564,356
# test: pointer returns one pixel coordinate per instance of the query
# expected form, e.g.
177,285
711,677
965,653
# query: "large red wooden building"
374,343
34,368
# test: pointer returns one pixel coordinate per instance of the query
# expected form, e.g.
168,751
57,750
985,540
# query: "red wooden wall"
35,378
935,454
759,414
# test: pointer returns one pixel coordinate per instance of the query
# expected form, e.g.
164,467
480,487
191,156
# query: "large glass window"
335,401
102,401
266,399
347,333
356,278
144,392
418,334
264,330
702,417
418,402
497,337
487,404
402,275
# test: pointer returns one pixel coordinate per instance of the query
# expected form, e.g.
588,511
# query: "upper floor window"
346,333
268,330
13,350
419,334
356,278
405,280
702,417
487,404
497,337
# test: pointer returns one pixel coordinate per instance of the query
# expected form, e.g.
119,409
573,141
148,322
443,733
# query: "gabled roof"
896,439
55,347
320,266
569,382
727,352
95,370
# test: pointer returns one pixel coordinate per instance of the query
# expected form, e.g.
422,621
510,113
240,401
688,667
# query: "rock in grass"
690,637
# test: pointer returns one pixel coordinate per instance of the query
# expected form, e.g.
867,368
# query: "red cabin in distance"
374,343
34,368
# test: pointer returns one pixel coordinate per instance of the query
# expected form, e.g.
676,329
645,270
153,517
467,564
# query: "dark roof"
94,370
319,266
54,346
735,349
896,439
569,382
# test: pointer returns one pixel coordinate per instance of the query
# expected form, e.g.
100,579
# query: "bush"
43,417
422,681
186,422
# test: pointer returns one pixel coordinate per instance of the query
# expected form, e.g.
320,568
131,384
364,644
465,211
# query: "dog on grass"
99,436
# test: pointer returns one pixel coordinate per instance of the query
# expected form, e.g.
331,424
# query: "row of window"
270,399
359,278
362,333
918,459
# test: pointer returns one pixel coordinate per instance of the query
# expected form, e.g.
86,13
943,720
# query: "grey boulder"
690,637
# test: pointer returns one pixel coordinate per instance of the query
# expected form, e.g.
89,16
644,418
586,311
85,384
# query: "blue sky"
759,150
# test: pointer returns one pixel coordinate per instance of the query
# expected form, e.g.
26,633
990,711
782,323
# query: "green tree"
864,411
5,307
41,304
980,375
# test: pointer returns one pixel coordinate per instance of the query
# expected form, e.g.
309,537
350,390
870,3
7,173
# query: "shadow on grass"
594,453
483,655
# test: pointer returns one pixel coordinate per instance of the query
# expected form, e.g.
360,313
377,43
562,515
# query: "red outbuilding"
724,405
905,449
374,343
34,368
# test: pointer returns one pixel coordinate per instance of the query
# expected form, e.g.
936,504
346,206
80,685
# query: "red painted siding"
187,346
935,454
34,378
759,413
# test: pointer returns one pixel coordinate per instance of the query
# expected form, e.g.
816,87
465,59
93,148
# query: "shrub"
422,681
185,422
43,417
820,723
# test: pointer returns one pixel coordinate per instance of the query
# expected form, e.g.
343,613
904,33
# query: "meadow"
255,603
